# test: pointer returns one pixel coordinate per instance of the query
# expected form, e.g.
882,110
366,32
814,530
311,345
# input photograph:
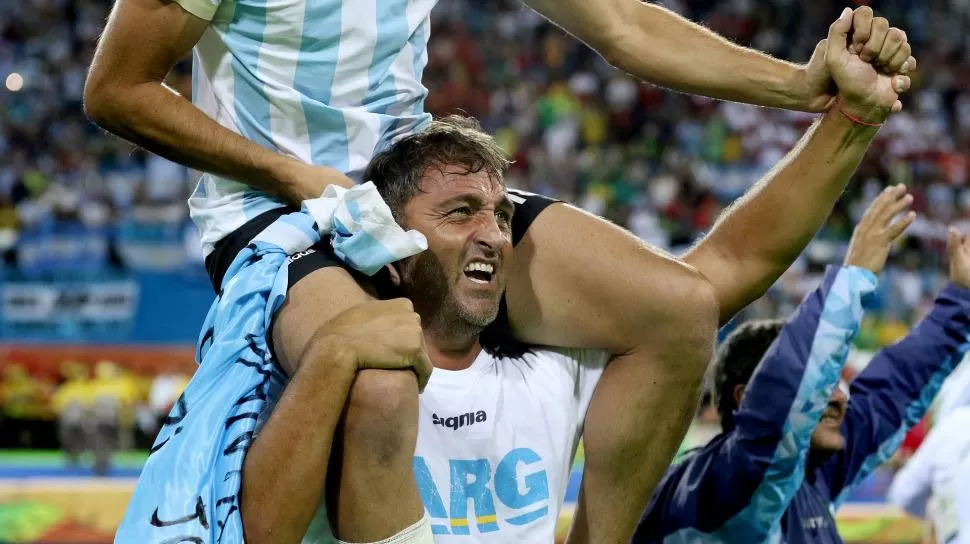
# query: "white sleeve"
590,364
962,499
203,9
912,486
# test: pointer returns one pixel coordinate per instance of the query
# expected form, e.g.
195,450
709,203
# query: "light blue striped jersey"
329,82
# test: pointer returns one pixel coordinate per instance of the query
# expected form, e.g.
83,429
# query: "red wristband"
854,119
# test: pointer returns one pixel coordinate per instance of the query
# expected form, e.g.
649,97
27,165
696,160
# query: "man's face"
466,218
828,434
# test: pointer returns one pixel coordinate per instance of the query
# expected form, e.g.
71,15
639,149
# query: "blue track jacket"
757,483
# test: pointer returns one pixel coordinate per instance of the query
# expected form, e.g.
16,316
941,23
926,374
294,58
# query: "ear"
738,393
394,274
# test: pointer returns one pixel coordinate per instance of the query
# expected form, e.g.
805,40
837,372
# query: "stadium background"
102,290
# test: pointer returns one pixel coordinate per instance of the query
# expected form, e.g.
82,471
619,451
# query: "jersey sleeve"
739,486
203,9
896,388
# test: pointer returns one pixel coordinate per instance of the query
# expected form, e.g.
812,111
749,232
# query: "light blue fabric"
837,326
189,489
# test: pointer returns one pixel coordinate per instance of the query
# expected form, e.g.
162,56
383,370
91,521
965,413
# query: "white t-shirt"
496,443
934,472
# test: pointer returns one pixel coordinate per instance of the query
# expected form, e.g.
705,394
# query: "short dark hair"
451,141
736,360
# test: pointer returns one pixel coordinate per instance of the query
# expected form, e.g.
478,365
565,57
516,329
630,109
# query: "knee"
687,320
381,420
699,308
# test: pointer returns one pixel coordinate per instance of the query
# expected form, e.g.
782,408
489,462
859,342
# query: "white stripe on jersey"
278,57
215,95
350,81
326,81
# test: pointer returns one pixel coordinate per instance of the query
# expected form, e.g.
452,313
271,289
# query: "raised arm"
126,95
663,48
759,237
744,482
897,387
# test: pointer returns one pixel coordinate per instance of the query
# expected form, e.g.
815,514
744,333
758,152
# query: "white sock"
419,533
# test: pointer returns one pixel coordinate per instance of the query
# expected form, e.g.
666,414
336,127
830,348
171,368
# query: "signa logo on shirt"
456,422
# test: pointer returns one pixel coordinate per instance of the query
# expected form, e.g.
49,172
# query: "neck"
451,352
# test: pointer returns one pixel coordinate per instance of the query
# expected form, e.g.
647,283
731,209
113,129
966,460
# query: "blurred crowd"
660,163
98,409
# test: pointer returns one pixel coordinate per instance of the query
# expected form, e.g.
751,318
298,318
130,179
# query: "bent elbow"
98,104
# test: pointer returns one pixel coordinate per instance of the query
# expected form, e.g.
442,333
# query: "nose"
839,397
490,235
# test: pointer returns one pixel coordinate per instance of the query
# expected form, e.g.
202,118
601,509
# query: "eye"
503,216
463,210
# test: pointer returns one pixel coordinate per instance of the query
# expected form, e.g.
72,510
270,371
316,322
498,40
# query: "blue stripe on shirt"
315,69
244,37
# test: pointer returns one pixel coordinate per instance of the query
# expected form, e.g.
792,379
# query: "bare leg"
371,492
598,286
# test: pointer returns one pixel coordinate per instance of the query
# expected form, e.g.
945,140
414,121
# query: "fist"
873,41
865,91
959,246
887,48
877,230
384,334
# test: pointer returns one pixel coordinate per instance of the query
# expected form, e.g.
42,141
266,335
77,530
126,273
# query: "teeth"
480,267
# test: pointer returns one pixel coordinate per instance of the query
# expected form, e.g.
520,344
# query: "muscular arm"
762,233
125,94
285,468
663,48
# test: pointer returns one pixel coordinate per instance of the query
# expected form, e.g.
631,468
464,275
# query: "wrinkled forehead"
444,182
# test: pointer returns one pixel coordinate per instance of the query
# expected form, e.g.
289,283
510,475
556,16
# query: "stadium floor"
52,464
44,501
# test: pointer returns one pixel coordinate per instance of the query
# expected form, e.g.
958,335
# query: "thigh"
320,287
318,292
577,280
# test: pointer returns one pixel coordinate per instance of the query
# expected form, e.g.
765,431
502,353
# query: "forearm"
663,48
760,235
285,469
157,118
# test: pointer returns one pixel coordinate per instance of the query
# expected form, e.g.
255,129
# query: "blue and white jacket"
757,483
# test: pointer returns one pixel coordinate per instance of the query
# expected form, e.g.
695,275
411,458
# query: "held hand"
383,334
864,92
874,41
301,181
959,246
877,231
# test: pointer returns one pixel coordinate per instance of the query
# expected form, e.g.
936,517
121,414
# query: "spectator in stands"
71,402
